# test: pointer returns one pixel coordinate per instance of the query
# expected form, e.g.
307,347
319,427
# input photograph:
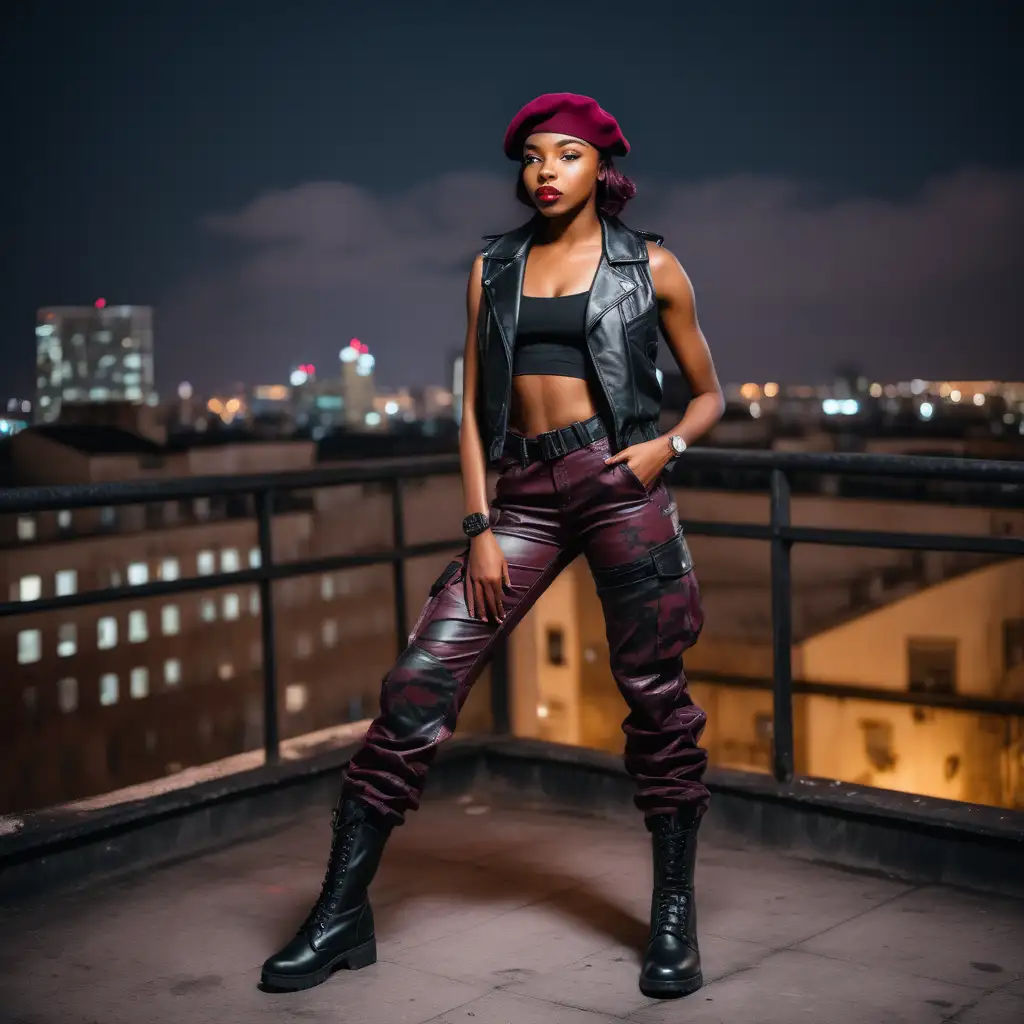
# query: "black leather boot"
671,964
339,929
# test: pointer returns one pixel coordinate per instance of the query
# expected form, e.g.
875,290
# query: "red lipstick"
547,194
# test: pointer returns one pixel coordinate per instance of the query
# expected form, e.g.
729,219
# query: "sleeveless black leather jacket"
621,327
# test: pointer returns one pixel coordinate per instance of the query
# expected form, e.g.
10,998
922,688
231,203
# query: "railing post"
782,630
271,739
501,712
398,563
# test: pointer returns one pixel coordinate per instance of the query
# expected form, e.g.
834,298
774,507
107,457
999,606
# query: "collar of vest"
621,244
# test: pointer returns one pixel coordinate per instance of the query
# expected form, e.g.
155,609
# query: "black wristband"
475,523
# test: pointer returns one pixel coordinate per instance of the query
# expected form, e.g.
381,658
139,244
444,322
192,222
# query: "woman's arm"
678,310
471,449
487,569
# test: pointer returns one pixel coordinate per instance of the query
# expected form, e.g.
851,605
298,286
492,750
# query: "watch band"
475,523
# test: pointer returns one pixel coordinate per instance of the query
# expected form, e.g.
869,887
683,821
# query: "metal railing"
779,532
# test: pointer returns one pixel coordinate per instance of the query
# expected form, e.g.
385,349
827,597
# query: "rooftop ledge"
919,839
518,895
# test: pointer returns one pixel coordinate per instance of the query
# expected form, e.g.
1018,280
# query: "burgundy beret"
567,114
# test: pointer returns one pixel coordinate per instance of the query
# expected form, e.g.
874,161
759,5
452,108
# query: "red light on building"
100,303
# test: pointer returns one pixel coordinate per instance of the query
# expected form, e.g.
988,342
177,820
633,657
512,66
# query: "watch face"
678,444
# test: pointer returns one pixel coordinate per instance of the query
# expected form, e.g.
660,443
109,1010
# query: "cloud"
790,282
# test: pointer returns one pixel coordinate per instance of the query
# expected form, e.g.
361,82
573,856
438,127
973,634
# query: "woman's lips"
547,195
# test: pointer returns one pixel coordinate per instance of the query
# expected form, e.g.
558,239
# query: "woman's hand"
487,570
647,460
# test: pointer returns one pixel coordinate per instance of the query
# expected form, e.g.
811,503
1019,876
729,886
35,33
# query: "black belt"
553,444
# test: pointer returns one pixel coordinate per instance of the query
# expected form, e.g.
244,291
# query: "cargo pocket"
449,573
680,616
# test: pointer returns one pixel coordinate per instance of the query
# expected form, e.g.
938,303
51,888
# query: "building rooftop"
489,913
98,439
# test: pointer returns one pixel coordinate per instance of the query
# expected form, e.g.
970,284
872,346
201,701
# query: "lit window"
296,695
205,563
226,670
108,688
66,582
255,559
229,560
138,573
303,645
327,587
106,633
67,640
67,694
30,646
64,519
201,507
207,610
254,601
169,569
231,606
115,577
172,671
26,528
329,632
138,628
170,620
108,516
138,684
30,588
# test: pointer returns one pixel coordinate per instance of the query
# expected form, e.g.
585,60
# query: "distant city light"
26,406
100,303
755,409
926,410
372,419
184,391
847,407
364,364
917,386
876,390
771,390
298,377
391,408
979,399
954,395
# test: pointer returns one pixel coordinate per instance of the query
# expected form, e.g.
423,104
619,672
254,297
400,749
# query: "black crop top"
551,336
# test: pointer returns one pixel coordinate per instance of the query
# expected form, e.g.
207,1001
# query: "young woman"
561,395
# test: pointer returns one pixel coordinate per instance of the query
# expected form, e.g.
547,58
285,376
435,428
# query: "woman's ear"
601,171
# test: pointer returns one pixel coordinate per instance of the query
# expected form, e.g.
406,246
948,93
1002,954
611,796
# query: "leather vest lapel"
503,285
610,286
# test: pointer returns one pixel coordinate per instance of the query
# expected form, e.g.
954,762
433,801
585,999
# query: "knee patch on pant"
417,696
651,604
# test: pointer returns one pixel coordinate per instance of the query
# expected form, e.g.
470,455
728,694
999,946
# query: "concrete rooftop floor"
488,915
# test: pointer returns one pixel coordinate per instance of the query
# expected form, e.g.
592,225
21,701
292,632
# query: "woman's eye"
570,156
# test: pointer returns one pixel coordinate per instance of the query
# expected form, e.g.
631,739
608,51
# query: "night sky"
844,181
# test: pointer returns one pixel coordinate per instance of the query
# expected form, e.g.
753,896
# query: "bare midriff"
543,402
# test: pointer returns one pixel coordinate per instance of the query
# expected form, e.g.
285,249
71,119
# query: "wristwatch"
475,523
677,444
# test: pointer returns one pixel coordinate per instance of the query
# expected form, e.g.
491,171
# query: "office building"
93,354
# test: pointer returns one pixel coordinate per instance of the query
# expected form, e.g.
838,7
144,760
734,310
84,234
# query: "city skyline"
869,220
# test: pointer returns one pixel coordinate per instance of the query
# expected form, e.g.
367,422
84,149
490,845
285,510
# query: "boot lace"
343,835
672,887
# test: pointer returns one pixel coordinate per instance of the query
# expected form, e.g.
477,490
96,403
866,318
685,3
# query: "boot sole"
354,959
671,989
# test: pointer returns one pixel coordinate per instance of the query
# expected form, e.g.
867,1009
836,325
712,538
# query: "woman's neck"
576,226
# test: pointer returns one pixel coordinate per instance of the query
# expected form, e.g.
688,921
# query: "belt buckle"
557,444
